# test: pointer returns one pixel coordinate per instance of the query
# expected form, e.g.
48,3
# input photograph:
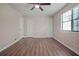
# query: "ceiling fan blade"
32,8
41,8
41,3
45,3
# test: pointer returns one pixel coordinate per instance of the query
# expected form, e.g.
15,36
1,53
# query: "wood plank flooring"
37,47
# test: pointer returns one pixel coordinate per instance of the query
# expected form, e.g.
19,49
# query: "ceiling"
50,10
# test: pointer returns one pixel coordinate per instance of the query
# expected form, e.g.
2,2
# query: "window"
70,20
75,20
66,20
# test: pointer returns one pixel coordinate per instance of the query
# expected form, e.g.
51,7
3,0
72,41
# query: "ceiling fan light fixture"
36,6
39,5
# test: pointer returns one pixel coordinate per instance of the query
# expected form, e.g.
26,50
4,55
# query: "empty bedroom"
39,29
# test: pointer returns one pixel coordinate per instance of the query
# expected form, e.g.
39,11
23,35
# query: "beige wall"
10,28
69,39
38,26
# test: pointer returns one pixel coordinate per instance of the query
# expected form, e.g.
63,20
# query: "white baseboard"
26,36
41,37
11,44
36,37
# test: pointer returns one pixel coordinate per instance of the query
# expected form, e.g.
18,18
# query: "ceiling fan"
39,5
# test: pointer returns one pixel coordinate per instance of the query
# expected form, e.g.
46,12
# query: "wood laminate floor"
37,47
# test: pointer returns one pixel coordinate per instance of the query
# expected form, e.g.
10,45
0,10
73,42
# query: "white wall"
10,28
69,39
21,26
38,26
